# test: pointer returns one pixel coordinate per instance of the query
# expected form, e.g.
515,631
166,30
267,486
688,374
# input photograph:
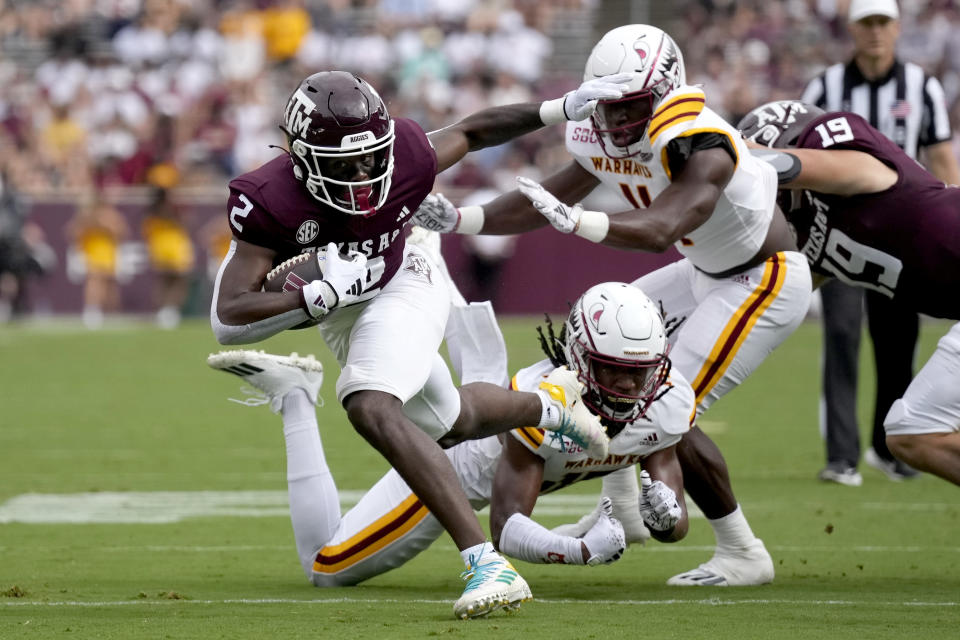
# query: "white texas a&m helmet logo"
297,117
307,231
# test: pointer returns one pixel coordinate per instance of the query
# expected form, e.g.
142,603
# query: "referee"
908,106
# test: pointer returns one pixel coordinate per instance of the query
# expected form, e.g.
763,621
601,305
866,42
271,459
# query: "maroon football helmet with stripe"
341,141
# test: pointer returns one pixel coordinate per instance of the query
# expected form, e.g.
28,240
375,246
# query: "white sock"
473,555
549,412
314,502
732,530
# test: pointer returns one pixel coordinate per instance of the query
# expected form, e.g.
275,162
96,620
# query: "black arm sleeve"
679,150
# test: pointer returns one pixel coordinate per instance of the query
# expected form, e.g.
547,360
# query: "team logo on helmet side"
777,124
307,231
297,116
595,313
643,52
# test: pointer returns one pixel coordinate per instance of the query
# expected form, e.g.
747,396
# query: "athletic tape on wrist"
471,220
593,226
551,111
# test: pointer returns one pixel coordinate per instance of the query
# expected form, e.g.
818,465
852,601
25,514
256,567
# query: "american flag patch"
900,109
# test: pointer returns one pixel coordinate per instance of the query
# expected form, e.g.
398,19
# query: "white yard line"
711,602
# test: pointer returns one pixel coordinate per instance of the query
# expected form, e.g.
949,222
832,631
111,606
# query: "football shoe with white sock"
492,583
749,566
271,376
576,422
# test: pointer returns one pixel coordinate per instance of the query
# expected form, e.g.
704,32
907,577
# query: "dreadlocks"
552,344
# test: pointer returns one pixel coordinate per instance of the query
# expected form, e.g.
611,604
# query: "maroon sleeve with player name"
270,208
903,242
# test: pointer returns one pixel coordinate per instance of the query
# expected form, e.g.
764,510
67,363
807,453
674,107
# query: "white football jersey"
665,422
736,230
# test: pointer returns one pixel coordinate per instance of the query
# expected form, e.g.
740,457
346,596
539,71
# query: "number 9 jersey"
903,242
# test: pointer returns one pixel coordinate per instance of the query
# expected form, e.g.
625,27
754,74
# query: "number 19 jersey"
903,242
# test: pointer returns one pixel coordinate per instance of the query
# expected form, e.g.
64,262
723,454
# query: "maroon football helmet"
778,125
341,141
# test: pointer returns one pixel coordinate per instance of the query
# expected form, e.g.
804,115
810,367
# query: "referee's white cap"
860,9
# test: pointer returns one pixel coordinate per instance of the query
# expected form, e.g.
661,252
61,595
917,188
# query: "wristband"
470,220
593,226
552,111
318,298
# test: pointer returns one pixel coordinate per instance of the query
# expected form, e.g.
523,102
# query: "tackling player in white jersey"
688,181
614,340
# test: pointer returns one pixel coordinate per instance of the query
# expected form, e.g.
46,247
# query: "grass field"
128,424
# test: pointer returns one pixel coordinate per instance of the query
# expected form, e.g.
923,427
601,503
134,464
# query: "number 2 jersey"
903,242
682,124
269,207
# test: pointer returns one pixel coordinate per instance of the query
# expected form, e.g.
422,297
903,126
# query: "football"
292,274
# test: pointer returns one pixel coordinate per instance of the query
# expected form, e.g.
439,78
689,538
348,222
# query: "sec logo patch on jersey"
307,231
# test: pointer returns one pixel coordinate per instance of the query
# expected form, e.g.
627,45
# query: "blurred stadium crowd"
100,96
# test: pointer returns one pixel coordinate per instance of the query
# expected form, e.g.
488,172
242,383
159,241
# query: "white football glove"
605,540
564,218
658,504
436,213
581,103
632,534
345,278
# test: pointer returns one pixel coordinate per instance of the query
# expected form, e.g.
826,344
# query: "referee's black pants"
893,330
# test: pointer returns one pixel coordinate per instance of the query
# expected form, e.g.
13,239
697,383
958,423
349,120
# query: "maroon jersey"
269,207
903,242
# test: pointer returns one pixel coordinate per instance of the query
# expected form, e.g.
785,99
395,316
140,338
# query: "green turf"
131,408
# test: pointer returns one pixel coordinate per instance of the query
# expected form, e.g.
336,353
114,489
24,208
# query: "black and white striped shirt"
907,105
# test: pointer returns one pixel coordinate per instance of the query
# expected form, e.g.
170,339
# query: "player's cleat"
575,422
730,568
841,474
896,470
492,583
272,376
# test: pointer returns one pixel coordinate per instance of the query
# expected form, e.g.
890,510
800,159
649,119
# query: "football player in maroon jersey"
866,213
345,190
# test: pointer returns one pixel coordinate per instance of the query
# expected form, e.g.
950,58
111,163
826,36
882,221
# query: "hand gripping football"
292,274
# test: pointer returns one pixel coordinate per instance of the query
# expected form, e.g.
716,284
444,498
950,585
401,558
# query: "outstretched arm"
840,172
510,213
683,206
496,125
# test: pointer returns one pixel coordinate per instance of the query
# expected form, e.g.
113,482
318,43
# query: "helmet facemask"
612,404
621,125
360,197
